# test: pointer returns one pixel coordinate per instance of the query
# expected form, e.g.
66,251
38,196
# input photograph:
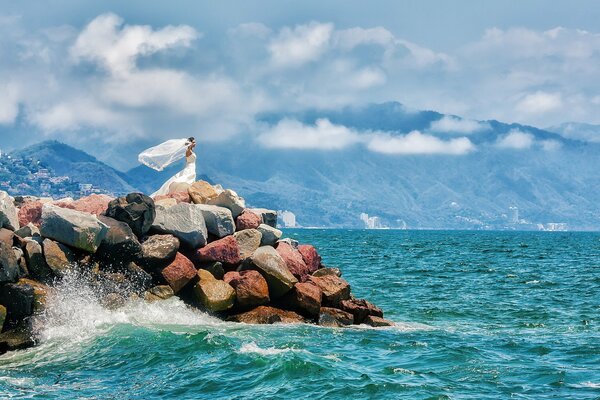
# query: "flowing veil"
164,154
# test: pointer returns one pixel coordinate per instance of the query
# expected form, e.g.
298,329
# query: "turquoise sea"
479,315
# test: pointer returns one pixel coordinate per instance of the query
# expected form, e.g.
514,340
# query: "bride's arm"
190,149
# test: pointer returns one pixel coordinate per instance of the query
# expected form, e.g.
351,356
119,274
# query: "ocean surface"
479,315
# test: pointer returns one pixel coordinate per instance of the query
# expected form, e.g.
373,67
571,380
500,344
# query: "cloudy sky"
110,74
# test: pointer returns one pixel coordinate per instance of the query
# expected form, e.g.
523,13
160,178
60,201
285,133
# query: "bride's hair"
191,139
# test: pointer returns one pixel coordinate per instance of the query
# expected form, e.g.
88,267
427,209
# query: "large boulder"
334,289
7,236
229,199
215,268
179,273
270,235
268,217
269,263
377,322
9,268
59,257
158,251
140,279
223,250
21,337
248,241
251,288
28,230
214,295
360,309
165,202
74,228
36,262
18,300
311,257
119,246
327,271
184,221
40,293
219,221
96,204
160,292
201,192
136,209
267,315
334,318
31,213
8,212
305,298
179,197
247,220
293,261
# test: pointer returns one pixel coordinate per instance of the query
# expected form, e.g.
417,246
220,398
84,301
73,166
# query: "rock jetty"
202,244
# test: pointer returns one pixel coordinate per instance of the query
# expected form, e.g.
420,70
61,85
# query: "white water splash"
253,348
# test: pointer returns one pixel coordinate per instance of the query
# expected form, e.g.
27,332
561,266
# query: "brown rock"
160,292
166,203
305,298
335,318
310,256
250,288
93,204
40,293
7,236
375,321
248,241
215,268
361,309
59,257
247,220
201,192
2,316
269,263
113,301
158,251
31,212
179,273
17,338
267,315
214,295
334,289
224,250
327,271
293,261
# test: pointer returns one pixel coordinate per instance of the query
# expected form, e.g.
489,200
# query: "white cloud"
451,124
348,39
551,145
416,142
304,43
9,103
540,103
116,48
516,139
292,134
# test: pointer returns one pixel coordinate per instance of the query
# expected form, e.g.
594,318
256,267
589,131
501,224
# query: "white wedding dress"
181,180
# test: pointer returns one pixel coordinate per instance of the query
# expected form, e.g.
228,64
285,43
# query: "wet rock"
28,230
9,268
267,315
59,258
179,273
40,293
334,289
160,292
293,261
201,192
184,221
250,288
229,199
223,250
268,217
136,209
8,212
113,301
140,279
215,268
18,338
18,300
270,235
248,241
119,246
269,263
310,256
2,316
377,322
247,220
36,262
327,271
158,251
305,298
360,309
219,221
333,317
74,228
31,213
214,295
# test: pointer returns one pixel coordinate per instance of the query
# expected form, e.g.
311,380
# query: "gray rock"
74,228
136,209
269,263
229,199
219,221
8,212
248,241
28,230
328,271
184,221
36,263
292,242
9,268
18,300
269,217
270,235
120,245
158,252
215,268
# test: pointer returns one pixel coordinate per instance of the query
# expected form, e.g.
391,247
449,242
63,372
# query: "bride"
163,155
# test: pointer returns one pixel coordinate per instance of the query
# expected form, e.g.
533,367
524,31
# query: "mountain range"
549,177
